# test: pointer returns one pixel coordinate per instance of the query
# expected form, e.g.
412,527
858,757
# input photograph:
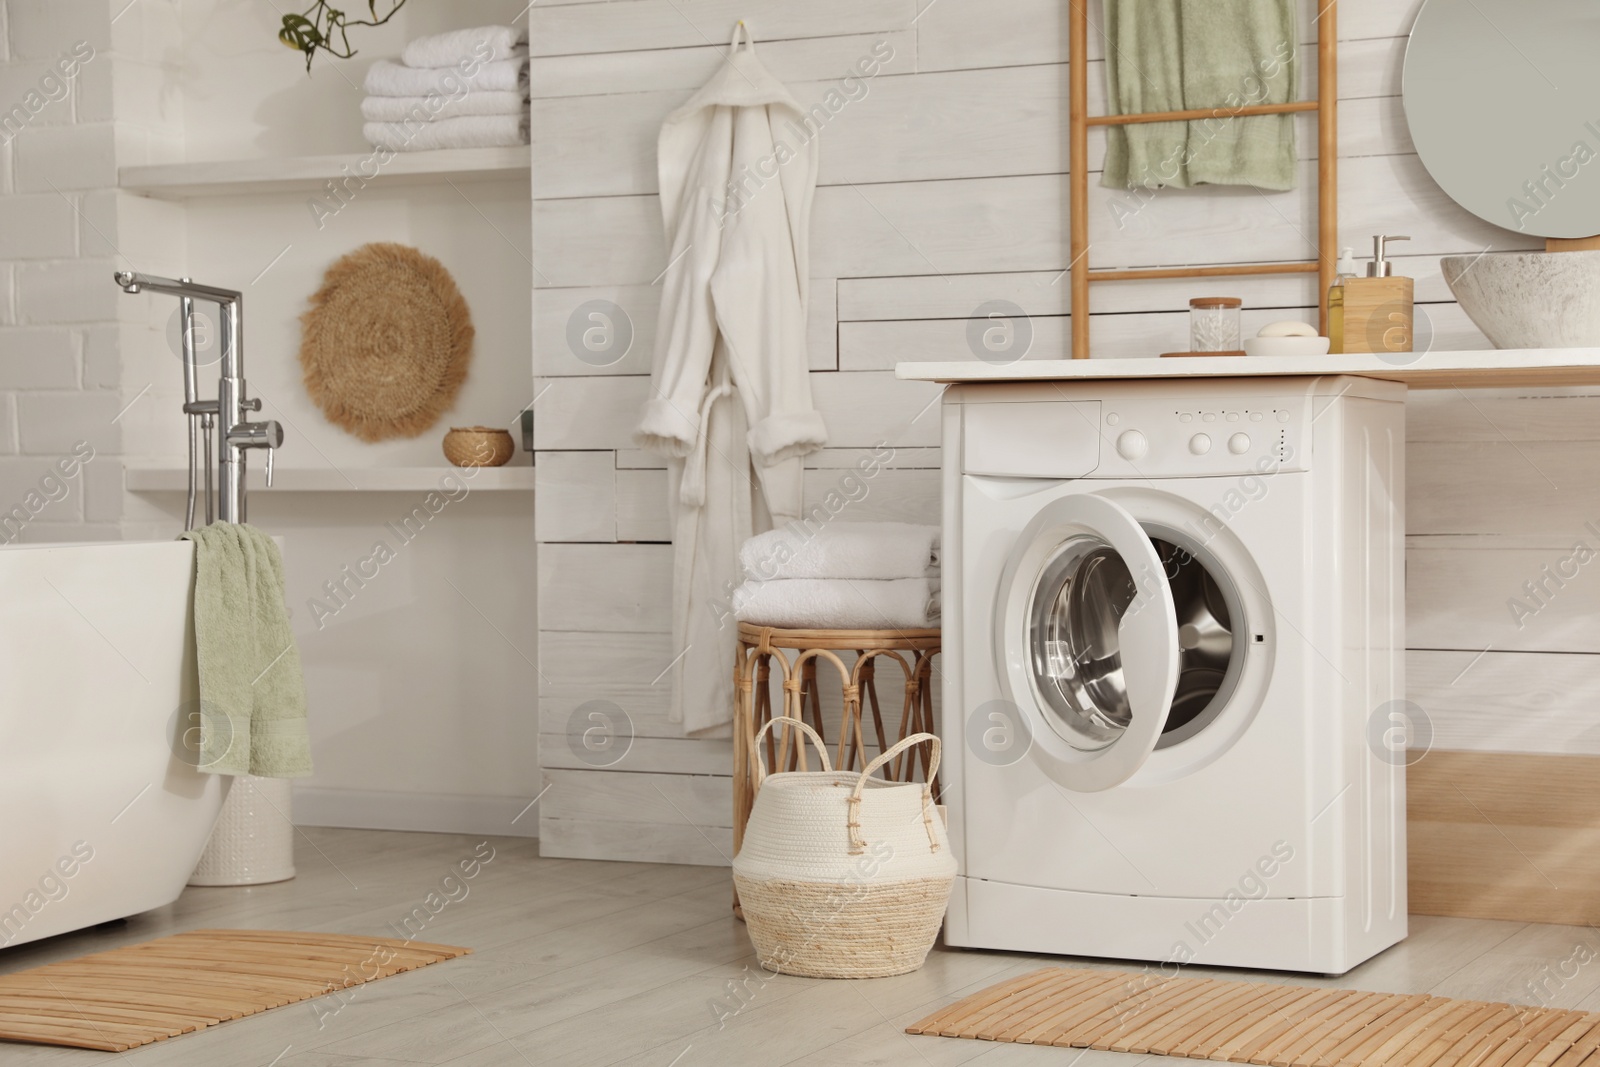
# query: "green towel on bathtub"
1176,55
251,691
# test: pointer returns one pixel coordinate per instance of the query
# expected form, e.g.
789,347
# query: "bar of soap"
1288,328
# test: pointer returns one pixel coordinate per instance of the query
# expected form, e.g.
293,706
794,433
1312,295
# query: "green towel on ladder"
1177,55
252,695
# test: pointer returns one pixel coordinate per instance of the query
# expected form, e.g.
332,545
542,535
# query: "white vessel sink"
1530,299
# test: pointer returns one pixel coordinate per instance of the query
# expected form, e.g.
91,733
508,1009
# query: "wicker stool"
913,650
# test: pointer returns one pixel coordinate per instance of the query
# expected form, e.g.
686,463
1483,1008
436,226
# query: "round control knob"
1131,444
1200,444
1239,443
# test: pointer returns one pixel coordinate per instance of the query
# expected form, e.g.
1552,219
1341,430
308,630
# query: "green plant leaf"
321,25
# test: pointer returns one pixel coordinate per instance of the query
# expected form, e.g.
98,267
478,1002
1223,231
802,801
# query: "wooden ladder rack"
1326,106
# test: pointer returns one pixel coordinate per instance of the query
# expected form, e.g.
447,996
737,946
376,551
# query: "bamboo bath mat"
113,1001
1265,1023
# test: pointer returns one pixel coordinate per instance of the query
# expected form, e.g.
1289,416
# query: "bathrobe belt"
692,490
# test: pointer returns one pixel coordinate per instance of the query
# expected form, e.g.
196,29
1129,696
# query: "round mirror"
1503,101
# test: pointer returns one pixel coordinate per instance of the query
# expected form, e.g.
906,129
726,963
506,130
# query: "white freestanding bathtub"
102,811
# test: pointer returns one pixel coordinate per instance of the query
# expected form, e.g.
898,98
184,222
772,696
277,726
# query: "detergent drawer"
1048,439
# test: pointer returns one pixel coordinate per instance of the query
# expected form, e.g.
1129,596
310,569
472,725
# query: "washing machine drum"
1075,649
1108,639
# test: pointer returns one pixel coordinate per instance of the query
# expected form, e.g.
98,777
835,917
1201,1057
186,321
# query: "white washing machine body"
1173,646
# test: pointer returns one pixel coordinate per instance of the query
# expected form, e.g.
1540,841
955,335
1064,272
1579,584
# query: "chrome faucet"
237,434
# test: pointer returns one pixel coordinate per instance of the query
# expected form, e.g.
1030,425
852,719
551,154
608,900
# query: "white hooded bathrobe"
730,402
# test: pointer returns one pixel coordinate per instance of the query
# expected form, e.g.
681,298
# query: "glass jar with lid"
1214,324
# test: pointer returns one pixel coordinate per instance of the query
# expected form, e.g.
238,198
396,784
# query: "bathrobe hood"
730,398
743,81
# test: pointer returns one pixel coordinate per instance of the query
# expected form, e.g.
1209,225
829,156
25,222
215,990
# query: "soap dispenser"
1346,270
1377,309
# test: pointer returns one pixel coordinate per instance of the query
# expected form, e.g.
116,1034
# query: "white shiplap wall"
943,187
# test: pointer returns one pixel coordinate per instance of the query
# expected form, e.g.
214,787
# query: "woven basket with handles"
843,875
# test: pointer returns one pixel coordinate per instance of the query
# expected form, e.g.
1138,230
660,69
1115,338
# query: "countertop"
1495,368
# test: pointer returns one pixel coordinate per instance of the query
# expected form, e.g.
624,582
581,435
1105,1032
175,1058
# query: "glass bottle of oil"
1347,269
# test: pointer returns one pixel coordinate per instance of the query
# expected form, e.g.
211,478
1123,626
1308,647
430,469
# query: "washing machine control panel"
1175,437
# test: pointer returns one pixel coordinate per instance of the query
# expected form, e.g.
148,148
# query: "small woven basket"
843,875
478,446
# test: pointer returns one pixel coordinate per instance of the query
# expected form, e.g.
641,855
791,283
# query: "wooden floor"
580,963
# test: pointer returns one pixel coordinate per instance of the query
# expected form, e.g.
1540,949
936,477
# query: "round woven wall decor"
386,344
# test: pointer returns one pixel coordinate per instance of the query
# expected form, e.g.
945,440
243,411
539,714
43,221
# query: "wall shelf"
157,476
180,181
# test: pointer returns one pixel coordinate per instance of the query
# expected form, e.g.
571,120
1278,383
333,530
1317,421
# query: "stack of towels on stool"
843,576
463,89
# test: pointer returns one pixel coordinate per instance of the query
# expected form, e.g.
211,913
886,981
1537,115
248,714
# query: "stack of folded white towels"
463,89
843,576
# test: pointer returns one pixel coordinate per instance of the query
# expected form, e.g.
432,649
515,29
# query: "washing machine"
1173,641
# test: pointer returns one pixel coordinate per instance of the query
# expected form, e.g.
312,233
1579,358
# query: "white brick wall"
102,366
37,227
21,477
60,376
34,357
52,158
66,291
102,492
19,78
43,29
51,423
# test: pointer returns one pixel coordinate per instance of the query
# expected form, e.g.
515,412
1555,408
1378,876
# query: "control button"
1239,443
1256,416
1200,444
1113,418
1210,416
1186,417
1233,416
1131,444
1283,416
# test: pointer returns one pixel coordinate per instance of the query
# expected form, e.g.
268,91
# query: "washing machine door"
1087,641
